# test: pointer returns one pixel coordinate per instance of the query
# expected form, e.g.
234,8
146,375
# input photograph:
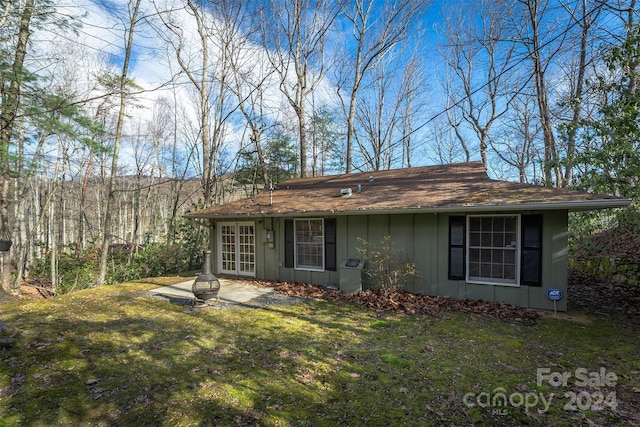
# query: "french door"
237,248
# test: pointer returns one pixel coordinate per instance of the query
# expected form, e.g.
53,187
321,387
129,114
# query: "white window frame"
517,252
300,266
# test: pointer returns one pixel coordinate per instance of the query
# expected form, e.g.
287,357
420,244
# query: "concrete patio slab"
231,291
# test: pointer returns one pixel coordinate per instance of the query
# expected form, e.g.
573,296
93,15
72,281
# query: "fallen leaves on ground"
621,242
584,291
600,295
406,303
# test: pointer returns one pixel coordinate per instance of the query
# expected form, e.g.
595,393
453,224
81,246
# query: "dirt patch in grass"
6,297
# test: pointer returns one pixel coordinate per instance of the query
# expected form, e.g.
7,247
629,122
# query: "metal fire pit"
206,285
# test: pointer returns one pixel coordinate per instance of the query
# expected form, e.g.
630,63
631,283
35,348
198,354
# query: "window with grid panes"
493,249
309,244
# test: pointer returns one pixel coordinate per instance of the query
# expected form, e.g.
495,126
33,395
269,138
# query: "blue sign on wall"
554,294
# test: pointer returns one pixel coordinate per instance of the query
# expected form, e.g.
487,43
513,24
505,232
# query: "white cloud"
73,60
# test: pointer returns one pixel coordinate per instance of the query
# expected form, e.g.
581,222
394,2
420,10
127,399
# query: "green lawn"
114,356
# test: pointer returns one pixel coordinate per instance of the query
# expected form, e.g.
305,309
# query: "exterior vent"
345,192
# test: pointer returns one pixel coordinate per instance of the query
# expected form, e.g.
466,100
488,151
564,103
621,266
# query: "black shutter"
456,247
289,242
531,262
330,244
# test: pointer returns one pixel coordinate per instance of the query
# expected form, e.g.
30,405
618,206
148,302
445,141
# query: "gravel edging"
270,299
266,300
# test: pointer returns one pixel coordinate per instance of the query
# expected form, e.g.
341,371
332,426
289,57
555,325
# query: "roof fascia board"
581,205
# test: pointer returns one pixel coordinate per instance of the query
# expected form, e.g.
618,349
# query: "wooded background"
117,117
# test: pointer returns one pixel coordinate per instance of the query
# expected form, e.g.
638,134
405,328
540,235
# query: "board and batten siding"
424,239
554,270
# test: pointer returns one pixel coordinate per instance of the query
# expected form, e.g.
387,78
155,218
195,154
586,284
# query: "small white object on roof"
346,192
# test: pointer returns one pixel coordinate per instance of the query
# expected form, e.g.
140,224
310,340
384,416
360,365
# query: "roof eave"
574,205
569,205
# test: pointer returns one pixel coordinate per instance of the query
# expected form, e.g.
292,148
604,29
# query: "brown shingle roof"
461,187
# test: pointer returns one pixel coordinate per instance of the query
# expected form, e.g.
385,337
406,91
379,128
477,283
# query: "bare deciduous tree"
124,85
452,100
375,33
295,35
413,102
516,142
252,78
478,53
208,67
444,149
583,16
528,21
378,118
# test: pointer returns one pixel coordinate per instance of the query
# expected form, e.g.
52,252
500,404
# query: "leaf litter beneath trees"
602,296
584,292
406,303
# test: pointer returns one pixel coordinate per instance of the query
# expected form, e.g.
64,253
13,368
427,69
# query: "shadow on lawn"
120,359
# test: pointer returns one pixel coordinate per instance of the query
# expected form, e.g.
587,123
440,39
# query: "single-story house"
469,236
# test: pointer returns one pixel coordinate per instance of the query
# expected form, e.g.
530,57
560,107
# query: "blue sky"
149,70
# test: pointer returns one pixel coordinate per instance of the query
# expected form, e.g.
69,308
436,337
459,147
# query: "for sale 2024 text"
599,380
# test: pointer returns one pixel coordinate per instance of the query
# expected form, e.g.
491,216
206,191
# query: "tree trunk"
550,152
10,106
53,250
351,129
302,123
106,237
576,101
